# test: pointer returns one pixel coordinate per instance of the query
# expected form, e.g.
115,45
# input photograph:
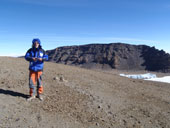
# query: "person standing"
36,57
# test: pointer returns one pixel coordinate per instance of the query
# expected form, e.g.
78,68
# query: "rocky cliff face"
114,55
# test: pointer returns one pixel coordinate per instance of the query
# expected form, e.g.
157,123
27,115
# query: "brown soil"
80,98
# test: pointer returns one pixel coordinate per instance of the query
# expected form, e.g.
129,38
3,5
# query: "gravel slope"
80,98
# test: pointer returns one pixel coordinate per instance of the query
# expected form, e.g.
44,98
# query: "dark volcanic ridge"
112,56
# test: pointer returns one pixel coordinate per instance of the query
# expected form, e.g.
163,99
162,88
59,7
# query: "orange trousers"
35,78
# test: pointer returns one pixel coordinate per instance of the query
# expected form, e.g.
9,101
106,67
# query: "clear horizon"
77,22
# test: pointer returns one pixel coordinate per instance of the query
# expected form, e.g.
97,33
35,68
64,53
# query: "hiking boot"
40,97
30,98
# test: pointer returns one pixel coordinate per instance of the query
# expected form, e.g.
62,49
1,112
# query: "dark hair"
40,47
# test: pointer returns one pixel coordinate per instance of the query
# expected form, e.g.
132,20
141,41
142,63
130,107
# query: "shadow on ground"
13,93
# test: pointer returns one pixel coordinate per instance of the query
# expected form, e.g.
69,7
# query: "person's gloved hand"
40,59
34,59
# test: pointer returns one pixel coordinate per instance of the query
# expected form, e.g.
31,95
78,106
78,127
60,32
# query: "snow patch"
148,76
165,79
140,76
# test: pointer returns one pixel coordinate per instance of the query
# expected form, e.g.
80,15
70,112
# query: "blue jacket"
36,53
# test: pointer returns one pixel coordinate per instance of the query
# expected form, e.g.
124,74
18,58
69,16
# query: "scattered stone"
97,124
109,106
60,78
17,119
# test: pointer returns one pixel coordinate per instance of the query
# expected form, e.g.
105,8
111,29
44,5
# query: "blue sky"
76,22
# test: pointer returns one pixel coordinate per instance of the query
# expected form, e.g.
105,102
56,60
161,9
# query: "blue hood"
36,40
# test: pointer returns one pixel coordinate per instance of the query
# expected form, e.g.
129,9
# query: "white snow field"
148,76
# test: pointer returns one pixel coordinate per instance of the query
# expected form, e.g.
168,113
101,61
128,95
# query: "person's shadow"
13,93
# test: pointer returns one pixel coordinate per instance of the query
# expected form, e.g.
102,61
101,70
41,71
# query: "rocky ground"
80,98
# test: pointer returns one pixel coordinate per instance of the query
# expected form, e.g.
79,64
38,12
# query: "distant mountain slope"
114,55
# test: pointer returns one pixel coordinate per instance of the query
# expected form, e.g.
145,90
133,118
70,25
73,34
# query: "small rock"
110,113
61,79
109,106
17,119
97,124
55,78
